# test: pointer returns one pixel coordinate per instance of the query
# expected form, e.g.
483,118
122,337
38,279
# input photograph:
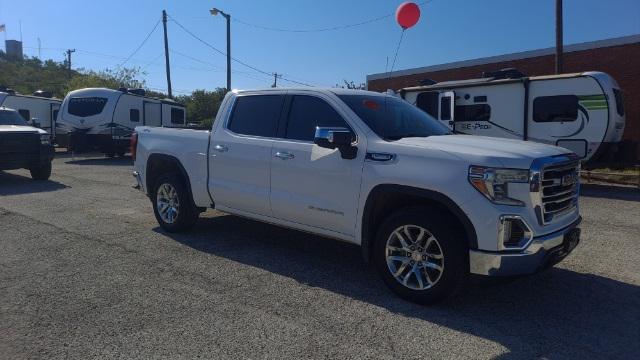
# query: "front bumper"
542,252
14,161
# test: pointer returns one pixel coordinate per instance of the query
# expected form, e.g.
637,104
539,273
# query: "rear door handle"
220,148
284,155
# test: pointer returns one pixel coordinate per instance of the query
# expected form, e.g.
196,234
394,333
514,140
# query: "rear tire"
42,172
172,204
421,255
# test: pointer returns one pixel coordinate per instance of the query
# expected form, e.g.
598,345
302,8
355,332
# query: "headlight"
45,139
493,183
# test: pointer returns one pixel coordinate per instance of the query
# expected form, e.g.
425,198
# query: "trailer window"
86,106
134,115
619,101
558,108
428,101
476,112
256,115
177,116
26,115
445,108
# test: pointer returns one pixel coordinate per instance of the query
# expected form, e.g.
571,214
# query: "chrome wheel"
414,257
167,203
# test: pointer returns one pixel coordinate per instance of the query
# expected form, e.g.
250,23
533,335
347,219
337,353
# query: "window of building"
177,115
86,106
475,112
134,115
26,115
309,112
256,115
558,108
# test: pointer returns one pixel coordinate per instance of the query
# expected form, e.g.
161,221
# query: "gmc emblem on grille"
568,179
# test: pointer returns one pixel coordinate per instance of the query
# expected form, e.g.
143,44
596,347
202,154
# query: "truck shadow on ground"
559,312
103,161
13,184
610,192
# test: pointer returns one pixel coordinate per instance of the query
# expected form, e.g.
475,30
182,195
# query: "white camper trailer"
582,112
104,119
39,109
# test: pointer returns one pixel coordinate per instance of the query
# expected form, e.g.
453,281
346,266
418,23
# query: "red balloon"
408,14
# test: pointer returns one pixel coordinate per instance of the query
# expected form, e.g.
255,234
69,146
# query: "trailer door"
54,108
152,113
446,108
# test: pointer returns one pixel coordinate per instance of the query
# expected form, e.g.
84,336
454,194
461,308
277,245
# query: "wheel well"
383,200
159,164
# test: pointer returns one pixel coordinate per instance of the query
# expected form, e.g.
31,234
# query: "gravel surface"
86,272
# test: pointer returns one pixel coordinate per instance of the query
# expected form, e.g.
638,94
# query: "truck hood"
20,129
487,151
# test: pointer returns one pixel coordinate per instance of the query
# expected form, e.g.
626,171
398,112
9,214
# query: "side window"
445,108
306,113
26,115
86,106
256,115
619,101
134,115
558,108
177,115
476,112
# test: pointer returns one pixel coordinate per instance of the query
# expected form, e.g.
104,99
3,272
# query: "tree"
352,85
108,78
202,105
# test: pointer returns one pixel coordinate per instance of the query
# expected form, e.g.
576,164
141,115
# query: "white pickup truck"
428,208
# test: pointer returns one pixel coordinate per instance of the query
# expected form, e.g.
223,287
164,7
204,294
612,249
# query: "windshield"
393,118
11,117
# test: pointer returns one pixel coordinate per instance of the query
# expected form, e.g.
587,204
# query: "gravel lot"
86,272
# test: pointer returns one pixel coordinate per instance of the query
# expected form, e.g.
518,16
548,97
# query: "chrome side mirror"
340,138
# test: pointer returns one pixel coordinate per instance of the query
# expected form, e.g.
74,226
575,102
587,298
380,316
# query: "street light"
215,12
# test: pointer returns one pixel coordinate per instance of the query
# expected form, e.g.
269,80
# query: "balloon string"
393,64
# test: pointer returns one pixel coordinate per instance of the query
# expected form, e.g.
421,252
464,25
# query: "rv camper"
104,119
39,109
582,112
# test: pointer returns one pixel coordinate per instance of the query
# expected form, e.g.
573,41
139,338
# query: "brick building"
618,57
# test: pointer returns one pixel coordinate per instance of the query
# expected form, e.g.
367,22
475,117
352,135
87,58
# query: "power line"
141,44
232,58
332,28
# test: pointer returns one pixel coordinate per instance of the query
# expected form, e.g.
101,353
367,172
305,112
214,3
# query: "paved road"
85,272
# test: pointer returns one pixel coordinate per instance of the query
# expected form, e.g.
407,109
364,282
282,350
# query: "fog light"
513,232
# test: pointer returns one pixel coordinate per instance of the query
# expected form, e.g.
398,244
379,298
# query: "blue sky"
106,32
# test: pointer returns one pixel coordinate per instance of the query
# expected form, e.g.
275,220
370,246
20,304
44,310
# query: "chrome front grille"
559,188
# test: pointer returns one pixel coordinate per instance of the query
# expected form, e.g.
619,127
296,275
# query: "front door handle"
284,155
220,148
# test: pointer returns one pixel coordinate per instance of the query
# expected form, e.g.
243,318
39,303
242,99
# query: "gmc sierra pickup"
24,146
427,207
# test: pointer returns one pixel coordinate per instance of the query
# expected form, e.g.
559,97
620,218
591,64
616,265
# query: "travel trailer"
39,109
582,112
104,119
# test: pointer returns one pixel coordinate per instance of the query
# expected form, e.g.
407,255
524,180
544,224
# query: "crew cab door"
446,108
310,185
240,154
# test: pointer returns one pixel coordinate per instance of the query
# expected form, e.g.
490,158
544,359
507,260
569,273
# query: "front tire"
42,172
172,204
421,255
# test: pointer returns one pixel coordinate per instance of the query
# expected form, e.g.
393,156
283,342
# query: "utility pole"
559,46
69,52
166,52
275,79
214,12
